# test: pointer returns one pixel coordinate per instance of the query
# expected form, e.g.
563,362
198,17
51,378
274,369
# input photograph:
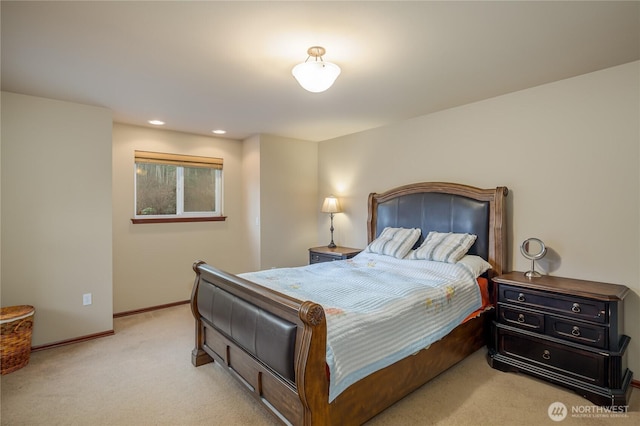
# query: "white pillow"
475,264
444,246
394,242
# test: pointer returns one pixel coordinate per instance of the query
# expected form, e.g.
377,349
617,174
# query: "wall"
281,181
56,215
269,199
289,189
568,151
267,180
152,262
251,199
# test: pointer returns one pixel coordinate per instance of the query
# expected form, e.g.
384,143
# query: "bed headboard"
445,207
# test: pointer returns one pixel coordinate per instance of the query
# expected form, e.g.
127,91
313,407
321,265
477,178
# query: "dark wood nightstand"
566,331
326,254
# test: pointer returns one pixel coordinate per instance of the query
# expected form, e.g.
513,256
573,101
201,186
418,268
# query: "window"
177,188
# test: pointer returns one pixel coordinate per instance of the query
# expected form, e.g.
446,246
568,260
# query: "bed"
276,344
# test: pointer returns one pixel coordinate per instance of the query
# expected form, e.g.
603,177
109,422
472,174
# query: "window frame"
181,162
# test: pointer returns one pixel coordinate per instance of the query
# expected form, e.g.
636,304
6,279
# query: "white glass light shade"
316,76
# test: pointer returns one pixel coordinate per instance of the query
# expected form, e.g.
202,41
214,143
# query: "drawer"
586,334
589,367
574,307
521,318
318,258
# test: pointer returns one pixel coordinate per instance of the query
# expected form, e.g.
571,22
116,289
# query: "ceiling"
200,66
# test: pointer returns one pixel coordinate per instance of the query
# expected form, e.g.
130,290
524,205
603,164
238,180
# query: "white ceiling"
206,65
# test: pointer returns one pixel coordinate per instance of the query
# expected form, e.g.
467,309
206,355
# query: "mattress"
379,309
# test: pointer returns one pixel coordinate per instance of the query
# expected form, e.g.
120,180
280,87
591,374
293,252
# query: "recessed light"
156,122
219,132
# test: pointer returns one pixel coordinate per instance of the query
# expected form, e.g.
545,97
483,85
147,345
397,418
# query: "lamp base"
331,244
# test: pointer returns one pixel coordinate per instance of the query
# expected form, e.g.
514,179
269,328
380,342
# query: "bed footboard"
273,344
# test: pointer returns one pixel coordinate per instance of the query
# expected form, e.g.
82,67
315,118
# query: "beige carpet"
143,376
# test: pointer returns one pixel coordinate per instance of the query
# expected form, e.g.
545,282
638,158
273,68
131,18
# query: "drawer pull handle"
546,354
575,331
521,297
520,318
575,308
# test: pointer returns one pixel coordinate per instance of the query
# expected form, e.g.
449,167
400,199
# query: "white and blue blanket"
379,309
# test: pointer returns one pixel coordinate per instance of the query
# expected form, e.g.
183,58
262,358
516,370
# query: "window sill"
180,219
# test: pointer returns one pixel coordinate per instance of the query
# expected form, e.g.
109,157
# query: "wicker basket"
15,341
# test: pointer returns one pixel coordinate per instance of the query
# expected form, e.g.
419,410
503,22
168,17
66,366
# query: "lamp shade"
316,76
331,205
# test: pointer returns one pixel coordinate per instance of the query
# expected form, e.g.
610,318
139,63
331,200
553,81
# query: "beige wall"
288,193
152,262
568,151
251,198
269,194
267,180
280,184
56,215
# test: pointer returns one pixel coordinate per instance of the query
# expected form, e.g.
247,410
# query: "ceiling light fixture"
316,76
156,122
219,132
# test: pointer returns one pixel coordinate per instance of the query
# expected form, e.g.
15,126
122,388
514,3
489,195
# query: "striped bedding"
379,309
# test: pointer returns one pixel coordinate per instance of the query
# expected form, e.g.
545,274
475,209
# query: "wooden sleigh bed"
275,345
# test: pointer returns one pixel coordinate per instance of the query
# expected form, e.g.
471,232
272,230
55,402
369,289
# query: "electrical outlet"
86,299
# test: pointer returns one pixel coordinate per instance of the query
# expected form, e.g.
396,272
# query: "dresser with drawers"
566,331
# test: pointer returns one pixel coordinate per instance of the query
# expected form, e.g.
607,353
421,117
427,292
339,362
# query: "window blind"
178,160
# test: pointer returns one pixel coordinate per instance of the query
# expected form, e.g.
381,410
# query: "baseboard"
104,333
149,309
72,341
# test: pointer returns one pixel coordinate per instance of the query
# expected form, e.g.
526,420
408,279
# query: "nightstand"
326,254
565,331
